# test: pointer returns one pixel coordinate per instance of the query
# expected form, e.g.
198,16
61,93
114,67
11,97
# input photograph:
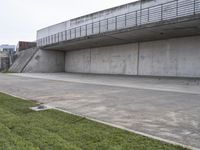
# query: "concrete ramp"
46,61
35,60
22,60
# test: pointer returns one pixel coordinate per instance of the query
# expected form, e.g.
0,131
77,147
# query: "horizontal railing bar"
172,9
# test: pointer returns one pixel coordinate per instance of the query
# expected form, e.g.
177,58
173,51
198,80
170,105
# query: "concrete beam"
185,26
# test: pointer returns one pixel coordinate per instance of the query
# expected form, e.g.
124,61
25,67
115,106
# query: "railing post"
99,27
115,22
125,20
161,12
86,30
65,35
107,24
53,39
92,28
75,32
176,8
148,15
70,34
136,23
80,32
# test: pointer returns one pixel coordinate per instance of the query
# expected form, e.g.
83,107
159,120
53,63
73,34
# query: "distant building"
6,56
4,61
23,45
7,48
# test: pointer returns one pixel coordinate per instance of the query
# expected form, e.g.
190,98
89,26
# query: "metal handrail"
156,13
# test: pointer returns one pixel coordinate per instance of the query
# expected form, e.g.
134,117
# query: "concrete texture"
78,61
172,57
46,61
172,50
181,85
115,59
178,57
37,60
108,60
166,114
22,59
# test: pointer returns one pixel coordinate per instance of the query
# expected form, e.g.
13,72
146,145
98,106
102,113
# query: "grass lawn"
24,129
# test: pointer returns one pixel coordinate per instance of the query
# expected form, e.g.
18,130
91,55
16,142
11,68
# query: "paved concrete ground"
165,108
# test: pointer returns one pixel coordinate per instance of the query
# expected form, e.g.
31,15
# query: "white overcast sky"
20,19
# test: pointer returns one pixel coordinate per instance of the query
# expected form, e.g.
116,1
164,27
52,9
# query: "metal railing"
157,13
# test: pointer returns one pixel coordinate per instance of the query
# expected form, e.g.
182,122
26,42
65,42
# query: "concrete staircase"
23,58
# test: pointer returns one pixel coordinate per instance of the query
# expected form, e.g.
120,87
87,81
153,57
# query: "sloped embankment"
23,58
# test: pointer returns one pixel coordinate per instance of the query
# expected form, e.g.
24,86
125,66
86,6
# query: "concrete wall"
78,61
115,59
110,60
22,59
173,57
179,57
46,61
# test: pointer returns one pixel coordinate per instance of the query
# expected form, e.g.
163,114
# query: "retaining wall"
22,59
178,57
36,60
46,61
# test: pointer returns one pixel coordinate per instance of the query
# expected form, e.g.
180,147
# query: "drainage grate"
40,108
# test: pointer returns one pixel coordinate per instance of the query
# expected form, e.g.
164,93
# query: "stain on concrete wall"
78,61
173,57
109,60
115,59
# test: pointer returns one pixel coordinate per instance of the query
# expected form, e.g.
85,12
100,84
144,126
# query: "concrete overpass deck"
167,20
